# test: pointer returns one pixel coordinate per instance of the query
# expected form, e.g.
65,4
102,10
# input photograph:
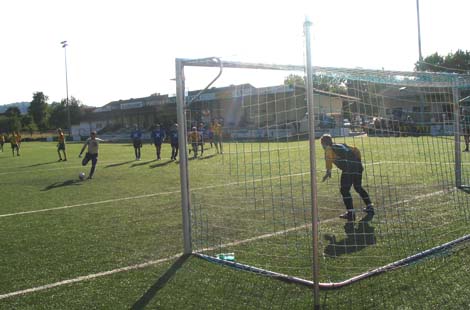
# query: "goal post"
256,194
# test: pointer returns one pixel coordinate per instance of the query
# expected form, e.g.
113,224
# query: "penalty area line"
144,265
89,277
144,196
88,204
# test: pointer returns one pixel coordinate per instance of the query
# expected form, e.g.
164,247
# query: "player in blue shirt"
136,137
158,136
174,141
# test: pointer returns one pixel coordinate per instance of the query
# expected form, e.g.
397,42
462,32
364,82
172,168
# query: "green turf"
130,213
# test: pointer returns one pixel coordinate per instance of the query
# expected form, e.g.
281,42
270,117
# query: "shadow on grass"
358,237
62,184
143,163
465,188
208,156
41,164
160,164
161,282
202,157
118,164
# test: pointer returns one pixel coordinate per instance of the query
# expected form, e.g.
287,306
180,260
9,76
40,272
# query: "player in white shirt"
92,153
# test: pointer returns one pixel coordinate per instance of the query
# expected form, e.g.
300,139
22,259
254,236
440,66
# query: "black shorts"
61,146
88,157
137,144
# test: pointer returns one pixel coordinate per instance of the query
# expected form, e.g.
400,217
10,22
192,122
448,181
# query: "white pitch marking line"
19,170
142,265
155,194
141,196
89,204
89,277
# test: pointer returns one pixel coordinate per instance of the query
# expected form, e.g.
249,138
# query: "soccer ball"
81,176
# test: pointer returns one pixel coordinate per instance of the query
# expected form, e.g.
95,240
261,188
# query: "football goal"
252,168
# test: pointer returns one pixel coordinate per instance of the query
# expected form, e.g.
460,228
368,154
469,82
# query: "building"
275,110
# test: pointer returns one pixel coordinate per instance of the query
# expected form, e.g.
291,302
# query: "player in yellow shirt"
18,139
61,144
217,130
194,139
2,141
14,144
348,160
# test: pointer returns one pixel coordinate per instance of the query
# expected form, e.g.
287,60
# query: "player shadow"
199,157
161,164
41,164
62,184
465,188
208,156
119,164
161,282
143,163
358,236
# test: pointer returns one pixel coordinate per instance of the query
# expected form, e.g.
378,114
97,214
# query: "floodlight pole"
64,46
184,172
313,168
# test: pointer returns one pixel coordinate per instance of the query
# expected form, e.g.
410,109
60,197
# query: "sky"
127,49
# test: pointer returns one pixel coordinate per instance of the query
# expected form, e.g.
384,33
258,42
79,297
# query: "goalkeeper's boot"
350,216
369,209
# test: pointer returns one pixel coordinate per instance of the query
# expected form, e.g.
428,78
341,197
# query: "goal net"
247,169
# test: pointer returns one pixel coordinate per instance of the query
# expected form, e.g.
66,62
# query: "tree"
4,124
459,62
12,119
330,84
326,83
13,112
75,110
294,80
38,109
28,123
58,113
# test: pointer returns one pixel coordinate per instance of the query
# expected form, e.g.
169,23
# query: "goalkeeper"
348,160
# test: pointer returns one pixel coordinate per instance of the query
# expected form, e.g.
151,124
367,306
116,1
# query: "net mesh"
250,186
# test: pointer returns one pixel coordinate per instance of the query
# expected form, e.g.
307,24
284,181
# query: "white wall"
84,129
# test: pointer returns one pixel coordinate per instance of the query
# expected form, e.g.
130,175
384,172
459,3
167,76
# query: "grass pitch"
114,242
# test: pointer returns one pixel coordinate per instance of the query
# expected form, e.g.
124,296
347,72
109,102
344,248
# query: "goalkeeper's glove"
327,175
